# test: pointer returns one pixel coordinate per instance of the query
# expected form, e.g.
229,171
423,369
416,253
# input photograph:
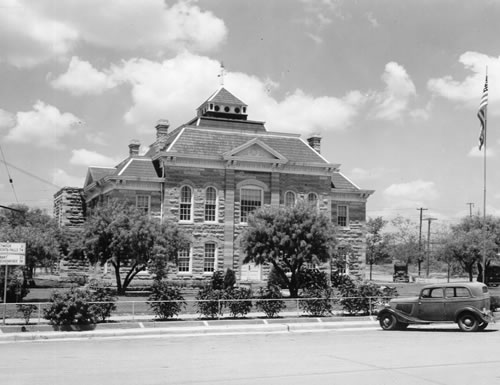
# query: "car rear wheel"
388,321
467,322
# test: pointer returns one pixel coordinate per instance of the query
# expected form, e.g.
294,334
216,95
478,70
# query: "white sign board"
12,253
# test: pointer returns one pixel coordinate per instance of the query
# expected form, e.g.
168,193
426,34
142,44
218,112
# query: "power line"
29,174
8,174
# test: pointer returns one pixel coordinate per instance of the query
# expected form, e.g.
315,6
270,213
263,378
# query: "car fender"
400,316
479,314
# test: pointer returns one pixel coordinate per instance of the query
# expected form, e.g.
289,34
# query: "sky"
393,88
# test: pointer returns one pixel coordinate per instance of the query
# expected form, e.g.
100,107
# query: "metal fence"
140,310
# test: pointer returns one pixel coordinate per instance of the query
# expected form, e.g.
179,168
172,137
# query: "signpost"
10,254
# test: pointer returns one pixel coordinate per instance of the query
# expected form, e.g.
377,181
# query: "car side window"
457,292
437,293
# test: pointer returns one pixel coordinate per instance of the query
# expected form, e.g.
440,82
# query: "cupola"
223,104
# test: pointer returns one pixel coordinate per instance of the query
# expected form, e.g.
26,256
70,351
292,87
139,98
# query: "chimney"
315,142
162,129
134,147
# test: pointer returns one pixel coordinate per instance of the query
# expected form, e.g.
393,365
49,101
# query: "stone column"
229,220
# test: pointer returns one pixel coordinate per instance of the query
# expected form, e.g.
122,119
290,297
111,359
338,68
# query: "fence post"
298,314
39,312
133,310
370,305
218,309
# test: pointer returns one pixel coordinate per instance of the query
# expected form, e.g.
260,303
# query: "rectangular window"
209,258
142,202
186,204
250,200
342,216
184,261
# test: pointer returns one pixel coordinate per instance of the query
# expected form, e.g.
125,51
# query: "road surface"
426,355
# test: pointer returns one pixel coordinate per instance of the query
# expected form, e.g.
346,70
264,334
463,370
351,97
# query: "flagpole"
484,195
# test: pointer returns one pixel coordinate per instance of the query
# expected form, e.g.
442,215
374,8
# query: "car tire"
467,322
388,321
482,325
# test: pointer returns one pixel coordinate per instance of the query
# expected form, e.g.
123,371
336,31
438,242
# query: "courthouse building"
209,174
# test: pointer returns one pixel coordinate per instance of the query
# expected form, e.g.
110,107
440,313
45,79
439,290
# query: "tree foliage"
288,238
466,242
127,238
402,241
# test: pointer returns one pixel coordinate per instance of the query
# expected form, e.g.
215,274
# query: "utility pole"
471,205
421,209
429,220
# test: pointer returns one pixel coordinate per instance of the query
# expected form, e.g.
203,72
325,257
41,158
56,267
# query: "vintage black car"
467,304
400,273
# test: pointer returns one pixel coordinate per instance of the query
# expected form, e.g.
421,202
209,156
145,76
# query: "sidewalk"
121,328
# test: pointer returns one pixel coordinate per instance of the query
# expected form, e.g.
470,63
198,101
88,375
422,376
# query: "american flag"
481,114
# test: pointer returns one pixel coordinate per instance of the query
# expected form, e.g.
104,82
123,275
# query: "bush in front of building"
316,302
166,302
239,301
16,289
103,303
270,301
358,297
210,302
78,306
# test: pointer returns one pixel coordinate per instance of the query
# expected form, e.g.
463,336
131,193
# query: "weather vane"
222,73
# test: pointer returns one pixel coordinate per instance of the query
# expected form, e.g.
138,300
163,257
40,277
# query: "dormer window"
216,108
227,109
237,110
211,106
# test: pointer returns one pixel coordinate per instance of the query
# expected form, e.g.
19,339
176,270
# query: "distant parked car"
400,273
467,304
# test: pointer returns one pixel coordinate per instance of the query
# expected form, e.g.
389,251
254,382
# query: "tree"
403,241
375,245
288,238
38,230
127,238
466,242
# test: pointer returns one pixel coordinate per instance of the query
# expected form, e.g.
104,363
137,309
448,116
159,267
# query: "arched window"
186,204
312,200
251,198
210,204
210,258
289,199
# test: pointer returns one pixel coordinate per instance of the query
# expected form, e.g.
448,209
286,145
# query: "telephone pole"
471,205
421,209
429,220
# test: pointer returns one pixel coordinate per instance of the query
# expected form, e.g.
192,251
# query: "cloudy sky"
392,86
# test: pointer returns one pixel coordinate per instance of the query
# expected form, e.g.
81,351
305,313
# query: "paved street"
429,355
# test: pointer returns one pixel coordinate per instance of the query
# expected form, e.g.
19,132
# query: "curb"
187,328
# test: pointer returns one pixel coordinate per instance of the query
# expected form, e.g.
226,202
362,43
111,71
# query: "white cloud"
82,78
414,193
6,119
83,157
37,31
62,178
363,174
393,102
476,153
44,126
469,90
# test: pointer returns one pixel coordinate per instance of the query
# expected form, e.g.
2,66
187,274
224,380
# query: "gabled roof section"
341,182
255,150
96,173
213,143
138,167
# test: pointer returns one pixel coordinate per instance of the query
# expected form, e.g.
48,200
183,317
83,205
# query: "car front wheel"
388,321
467,322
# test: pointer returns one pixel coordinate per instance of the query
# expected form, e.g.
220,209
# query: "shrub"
316,302
166,302
209,302
275,279
313,279
358,296
229,279
70,307
239,301
270,301
27,310
16,289
218,280
104,303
